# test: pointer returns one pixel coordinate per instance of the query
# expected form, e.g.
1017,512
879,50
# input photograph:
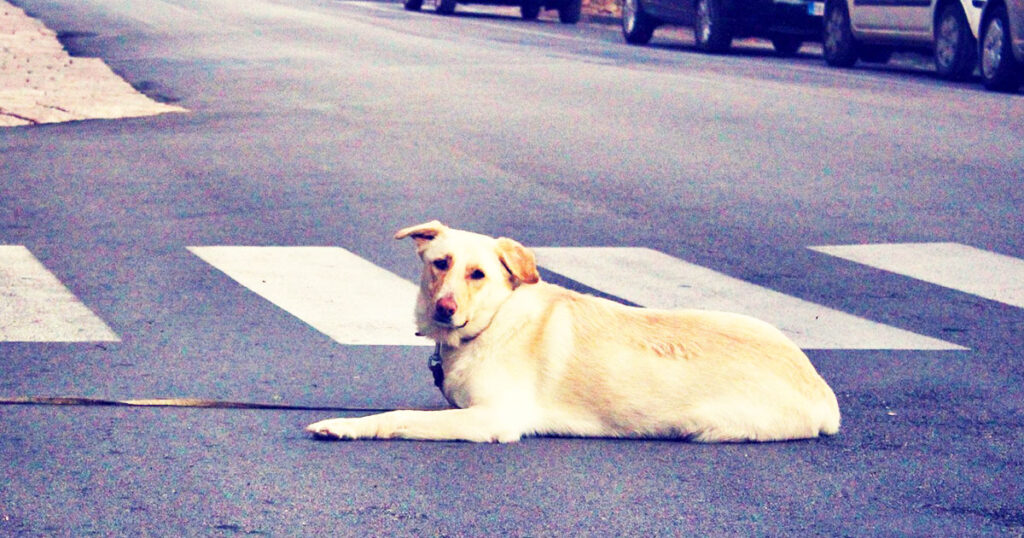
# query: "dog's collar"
434,363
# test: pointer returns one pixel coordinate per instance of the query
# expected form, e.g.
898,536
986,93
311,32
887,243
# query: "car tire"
444,7
637,26
413,5
711,29
530,10
1000,71
955,47
570,11
838,44
786,45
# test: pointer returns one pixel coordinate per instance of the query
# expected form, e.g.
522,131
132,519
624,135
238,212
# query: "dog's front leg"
477,424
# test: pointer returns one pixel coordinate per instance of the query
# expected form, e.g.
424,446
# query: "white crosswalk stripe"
960,267
336,292
653,279
355,302
36,307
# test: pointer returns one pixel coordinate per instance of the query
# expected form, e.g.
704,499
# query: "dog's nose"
445,309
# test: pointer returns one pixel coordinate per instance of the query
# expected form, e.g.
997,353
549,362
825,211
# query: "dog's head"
466,278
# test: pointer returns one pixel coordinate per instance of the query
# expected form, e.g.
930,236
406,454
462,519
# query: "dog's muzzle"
444,310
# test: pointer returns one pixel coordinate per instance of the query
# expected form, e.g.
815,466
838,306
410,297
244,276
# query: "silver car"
870,30
1002,45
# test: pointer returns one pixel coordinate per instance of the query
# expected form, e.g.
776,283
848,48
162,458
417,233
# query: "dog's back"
613,370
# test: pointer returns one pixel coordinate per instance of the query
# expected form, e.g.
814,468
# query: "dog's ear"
422,233
519,261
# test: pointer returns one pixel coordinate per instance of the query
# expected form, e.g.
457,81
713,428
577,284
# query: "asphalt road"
323,123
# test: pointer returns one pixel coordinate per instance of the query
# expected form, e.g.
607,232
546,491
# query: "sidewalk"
41,83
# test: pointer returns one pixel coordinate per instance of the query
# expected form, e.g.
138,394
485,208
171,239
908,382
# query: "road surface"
874,214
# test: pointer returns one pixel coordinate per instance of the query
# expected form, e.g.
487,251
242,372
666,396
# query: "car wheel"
570,11
838,45
637,26
786,45
955,47
413,5
530,10
1000,71
710,30
444,7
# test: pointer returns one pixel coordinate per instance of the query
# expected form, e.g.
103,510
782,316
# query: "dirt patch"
41,83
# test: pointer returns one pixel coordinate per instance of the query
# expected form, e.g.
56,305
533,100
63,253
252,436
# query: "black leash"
177,402
434,363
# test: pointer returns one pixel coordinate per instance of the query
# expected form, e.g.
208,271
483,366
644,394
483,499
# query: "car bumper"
799,17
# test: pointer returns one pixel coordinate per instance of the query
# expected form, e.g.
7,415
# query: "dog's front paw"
335,428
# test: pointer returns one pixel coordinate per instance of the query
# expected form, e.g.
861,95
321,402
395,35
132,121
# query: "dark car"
787,23
569,11
1001,45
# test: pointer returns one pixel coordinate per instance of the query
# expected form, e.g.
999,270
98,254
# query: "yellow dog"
523,357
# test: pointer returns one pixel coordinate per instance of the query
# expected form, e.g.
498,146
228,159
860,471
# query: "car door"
895,20
671,11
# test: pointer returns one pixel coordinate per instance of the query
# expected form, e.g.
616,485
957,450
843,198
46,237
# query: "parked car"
1001,45
787,23
569,11
871,30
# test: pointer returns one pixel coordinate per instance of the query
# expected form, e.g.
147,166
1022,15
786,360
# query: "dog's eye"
477,275
441,264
